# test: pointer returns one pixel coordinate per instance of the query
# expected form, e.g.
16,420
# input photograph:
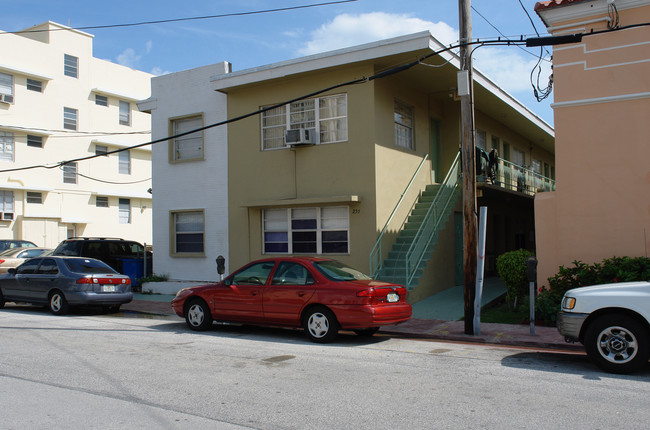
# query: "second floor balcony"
513,177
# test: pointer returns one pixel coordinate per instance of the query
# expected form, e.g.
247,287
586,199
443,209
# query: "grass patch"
499,312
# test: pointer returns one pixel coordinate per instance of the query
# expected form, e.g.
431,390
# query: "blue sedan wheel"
58,303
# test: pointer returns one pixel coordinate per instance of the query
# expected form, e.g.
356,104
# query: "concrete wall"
197,184
602,204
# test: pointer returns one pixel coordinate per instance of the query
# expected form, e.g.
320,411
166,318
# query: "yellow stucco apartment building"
323,175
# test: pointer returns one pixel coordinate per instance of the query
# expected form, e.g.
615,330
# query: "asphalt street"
101,371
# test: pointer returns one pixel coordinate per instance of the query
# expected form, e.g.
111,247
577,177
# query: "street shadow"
74,311
269,334
567,363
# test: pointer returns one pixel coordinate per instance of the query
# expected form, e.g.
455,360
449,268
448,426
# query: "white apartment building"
190,174
59,103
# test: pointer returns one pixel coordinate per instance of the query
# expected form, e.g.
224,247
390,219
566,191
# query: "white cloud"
158,71
129,58
349,30
509,67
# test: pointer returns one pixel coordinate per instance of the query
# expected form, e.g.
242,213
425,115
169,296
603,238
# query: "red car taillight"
383,295
2,261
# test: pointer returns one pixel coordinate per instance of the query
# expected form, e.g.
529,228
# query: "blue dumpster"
132,267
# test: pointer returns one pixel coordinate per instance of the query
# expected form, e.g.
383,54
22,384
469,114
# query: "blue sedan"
61,282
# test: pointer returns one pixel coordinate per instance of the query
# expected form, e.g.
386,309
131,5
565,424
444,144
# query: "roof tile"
542,5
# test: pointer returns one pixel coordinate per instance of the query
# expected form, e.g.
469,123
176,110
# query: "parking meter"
221,266
531,269
531,274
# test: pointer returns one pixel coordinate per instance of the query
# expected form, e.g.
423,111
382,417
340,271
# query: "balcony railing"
516,178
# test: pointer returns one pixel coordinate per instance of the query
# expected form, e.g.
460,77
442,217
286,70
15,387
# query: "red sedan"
318,294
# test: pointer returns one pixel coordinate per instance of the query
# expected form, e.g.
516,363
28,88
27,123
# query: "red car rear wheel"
320,324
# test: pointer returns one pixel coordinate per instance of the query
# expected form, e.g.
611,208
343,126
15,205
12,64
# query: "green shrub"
154,278
511,267
610,270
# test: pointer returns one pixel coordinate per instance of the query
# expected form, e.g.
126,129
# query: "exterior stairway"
418,237
394,268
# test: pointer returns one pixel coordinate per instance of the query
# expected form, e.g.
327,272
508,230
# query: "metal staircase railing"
376,255
436,214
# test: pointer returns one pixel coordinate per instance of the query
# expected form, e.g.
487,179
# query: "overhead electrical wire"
361,80
501,33
193,18
71,133
539,93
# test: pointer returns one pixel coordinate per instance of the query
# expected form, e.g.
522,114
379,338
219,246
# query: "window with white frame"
328,116
34,141
101,100
70,173
7,204
323,230
124,162
34,197
125,211
101,201
403,125
6,146
69,118
190,146
536,166
125,113
34,85
188,232
70,66
6,88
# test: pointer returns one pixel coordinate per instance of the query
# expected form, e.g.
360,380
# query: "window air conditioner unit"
300,136
6,98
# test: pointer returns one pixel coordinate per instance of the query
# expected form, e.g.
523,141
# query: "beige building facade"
334,190
59,103
601,206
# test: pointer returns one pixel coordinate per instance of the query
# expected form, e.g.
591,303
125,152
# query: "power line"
379,75
112,182
501,33
193,18
72,133
394,70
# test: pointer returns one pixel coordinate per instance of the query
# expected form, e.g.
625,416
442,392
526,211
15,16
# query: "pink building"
601,206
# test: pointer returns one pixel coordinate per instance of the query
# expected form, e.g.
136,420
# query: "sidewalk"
422,328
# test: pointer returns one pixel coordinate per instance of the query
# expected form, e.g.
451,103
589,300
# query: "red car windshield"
337,271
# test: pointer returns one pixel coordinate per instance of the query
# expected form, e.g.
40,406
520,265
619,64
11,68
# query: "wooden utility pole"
470,223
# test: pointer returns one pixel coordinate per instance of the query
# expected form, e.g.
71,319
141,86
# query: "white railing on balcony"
518,178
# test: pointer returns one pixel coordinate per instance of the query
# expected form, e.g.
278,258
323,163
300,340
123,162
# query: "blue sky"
255,40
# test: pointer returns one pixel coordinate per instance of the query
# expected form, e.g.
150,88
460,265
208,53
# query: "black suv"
120,254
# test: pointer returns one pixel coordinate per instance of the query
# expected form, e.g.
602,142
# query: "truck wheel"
617,343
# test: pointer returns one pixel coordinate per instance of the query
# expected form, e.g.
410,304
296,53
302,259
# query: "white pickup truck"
612,321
